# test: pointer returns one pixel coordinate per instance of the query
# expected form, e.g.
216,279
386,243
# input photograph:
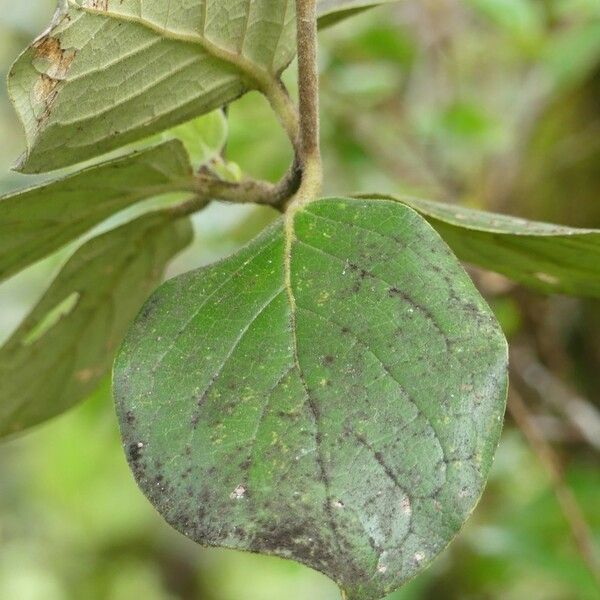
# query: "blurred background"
491,103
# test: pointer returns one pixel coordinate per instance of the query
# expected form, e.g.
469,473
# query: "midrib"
289,234
259,77
289,237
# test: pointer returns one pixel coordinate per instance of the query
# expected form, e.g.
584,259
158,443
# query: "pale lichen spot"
381,563
238,493
405,506
323,297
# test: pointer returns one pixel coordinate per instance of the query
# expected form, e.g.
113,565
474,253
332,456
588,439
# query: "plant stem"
308,81
303,181
580,530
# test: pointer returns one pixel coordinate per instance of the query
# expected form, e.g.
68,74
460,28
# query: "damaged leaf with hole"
65,346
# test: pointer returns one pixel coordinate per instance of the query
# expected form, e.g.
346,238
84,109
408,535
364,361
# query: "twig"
579,528
580,413
253,191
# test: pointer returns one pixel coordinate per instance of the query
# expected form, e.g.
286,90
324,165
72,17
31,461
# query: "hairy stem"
309,152
208,187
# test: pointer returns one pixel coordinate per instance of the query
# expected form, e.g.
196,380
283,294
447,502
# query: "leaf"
38,221
332,11
109,73
549,258
65,346
204,138
333,393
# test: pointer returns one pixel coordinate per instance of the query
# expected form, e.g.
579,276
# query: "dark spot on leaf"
135,451
147,310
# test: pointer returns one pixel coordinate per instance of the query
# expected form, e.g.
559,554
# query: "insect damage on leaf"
63,308
96,4
53,63
110,73
333,393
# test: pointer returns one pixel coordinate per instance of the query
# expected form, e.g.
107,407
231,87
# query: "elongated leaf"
549,258
333,393
108,73
332,11
38,221
65,346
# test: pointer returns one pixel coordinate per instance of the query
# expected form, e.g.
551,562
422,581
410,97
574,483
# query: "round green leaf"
333,393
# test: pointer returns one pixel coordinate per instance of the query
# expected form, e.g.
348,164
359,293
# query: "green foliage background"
491,103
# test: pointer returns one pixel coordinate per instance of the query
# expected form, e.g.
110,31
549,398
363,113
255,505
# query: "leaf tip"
20,165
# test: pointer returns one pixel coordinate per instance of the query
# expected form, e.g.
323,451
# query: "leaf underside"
66,345
333,393
549,258
110,73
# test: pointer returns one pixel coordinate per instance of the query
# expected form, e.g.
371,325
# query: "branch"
579,528
303,180
582,414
